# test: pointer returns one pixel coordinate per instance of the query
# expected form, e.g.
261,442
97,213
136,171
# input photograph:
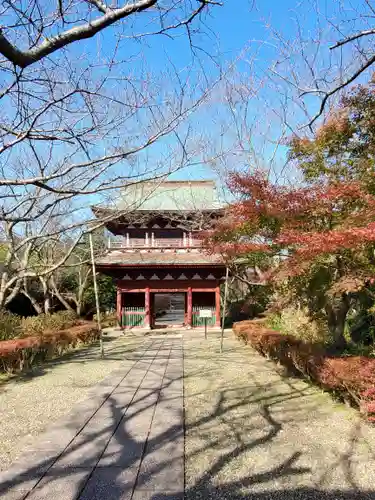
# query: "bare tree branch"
351,38
25,58
110,16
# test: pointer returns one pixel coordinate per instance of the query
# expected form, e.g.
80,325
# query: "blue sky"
246,30
243,33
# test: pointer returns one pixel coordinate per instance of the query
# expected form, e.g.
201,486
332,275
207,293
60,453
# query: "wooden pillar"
147,323
217,304
189,307
119,307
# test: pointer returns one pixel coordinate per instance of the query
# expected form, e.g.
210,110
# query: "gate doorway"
168,309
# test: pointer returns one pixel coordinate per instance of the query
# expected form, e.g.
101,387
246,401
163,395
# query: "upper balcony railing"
127,243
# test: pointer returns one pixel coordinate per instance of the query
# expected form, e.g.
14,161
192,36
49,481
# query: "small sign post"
224,309
205,314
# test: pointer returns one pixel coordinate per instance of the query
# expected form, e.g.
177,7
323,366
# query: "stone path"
125,442
250,434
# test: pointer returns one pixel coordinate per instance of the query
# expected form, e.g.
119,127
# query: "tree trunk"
47,304
64,302
57,293
33,302
83,276
79,301
46,294
2,298
336,322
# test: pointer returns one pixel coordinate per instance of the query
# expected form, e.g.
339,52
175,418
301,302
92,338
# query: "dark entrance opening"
168,309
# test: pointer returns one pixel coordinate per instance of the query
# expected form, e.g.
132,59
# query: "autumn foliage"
21,353
350,378
307,221
314,240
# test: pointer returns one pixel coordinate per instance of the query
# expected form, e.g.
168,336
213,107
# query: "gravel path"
28,404
252,434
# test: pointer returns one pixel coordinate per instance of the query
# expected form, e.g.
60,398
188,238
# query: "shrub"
21,353
38,325
9,325
33,325
61,320
351,377
108,320
297,322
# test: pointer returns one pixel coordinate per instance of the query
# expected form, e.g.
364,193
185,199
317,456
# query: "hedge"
13,326
21,353
352,378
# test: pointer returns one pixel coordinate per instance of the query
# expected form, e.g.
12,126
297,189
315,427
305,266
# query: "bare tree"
325,51
47,27
80,121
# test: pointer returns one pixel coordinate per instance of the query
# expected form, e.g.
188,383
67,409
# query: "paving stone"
155,372
124,395
162,437
61,484
172,401
136,425
161,474
122,453
169,447
110,483
14,494
31,467
153,383
155,495
115,377
167,417
112,410
168,430
19,479
175,366
76,419
175,389
71,425
99,427
84,451
176,351
129,385
56,438
175,371
143,400
101,442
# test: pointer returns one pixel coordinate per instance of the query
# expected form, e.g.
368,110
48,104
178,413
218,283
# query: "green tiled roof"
171,195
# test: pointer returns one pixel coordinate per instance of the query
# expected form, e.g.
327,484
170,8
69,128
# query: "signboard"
205,313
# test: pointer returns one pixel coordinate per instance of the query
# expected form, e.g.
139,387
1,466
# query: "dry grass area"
30,402
252,434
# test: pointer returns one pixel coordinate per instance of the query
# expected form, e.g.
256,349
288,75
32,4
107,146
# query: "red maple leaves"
304,222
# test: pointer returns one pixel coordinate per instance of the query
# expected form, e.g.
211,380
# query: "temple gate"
154,253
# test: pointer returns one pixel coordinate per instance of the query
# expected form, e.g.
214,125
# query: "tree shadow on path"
127,452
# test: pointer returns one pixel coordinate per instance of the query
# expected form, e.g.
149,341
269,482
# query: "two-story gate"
157,249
